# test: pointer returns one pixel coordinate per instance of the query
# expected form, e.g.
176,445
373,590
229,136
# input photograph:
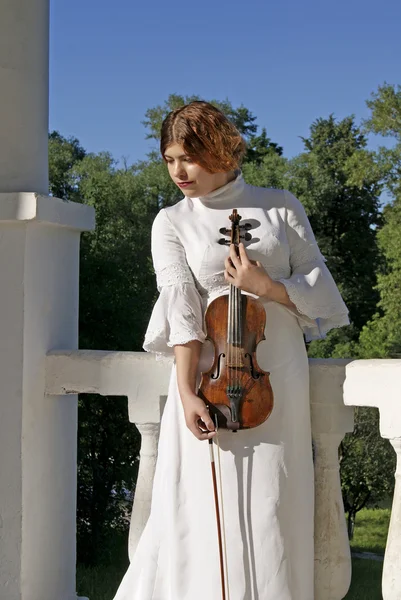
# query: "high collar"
225,194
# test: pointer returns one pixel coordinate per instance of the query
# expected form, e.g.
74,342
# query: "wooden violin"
236,391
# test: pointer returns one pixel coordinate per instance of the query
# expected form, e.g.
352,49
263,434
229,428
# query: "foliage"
241,117
367,465
64,154
343,216
339,182
258,146
382,335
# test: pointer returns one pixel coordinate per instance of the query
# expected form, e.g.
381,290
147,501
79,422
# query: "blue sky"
288,61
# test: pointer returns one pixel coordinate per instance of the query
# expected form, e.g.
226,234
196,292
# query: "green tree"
241,117
258,145
368,461
344,217
117,290
381,337
367,465
64,154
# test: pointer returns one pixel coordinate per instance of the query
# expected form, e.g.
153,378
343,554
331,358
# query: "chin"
192,193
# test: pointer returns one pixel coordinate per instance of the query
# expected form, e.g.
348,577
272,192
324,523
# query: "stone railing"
378,383
145,382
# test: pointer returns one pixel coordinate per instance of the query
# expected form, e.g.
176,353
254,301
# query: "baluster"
331,420
143,490
391,585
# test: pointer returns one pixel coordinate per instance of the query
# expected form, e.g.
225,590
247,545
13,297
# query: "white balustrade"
331,420
145,382
377,382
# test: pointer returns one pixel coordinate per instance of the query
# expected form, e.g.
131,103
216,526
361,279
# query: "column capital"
376,382
29,207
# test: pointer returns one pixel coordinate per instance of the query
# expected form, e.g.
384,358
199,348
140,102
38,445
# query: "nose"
179,171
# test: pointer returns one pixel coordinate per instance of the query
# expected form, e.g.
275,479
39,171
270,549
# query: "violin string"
230,333
233,337
239,336
223,523
236,337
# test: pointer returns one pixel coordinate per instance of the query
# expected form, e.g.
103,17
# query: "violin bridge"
234,357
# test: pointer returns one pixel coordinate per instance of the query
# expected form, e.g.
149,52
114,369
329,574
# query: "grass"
101,583
366,580
98,583
371,528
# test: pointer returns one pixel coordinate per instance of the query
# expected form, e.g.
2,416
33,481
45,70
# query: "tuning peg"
224,242
246,236
246,226
225,231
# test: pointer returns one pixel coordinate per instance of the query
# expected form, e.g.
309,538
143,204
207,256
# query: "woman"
267,472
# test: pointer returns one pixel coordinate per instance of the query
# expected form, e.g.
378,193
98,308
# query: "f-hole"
253,373
217,375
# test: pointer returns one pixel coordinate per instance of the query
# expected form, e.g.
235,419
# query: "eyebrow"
181,156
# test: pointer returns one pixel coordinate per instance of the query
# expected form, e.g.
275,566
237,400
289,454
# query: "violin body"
236,391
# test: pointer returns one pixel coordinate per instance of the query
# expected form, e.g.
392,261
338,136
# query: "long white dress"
267,472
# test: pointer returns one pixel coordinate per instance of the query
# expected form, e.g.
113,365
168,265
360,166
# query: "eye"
188,160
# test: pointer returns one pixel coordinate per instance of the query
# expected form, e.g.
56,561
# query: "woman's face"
192,179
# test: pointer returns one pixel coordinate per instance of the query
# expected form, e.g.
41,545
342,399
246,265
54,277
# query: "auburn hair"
208,137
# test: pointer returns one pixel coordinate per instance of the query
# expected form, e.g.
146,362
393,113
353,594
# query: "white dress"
267,472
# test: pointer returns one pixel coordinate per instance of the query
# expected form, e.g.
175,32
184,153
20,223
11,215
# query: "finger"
198,433
234,256
208,421
232,271
243,255
228,262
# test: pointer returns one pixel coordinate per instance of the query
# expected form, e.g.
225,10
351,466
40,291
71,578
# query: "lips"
184,183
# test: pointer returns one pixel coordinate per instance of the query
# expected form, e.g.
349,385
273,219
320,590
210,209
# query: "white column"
24,66
391,587
144,485
331,420
39,265
376,382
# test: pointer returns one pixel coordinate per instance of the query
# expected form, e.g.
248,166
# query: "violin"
236,390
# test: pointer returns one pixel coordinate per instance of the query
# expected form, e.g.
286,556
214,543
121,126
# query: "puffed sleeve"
310,286
177,316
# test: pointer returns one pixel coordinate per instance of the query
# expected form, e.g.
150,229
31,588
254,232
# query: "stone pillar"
144,485
39,265
24,76
376,382
392,561
331,420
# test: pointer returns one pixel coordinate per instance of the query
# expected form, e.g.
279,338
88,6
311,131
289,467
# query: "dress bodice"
189,261
197,223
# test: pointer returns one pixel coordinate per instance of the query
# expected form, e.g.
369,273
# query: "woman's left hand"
246,274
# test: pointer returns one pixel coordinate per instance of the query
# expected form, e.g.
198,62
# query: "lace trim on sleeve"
173,274
316,312
155,336
310,254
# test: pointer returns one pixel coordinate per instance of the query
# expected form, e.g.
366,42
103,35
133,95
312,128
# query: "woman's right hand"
195,411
